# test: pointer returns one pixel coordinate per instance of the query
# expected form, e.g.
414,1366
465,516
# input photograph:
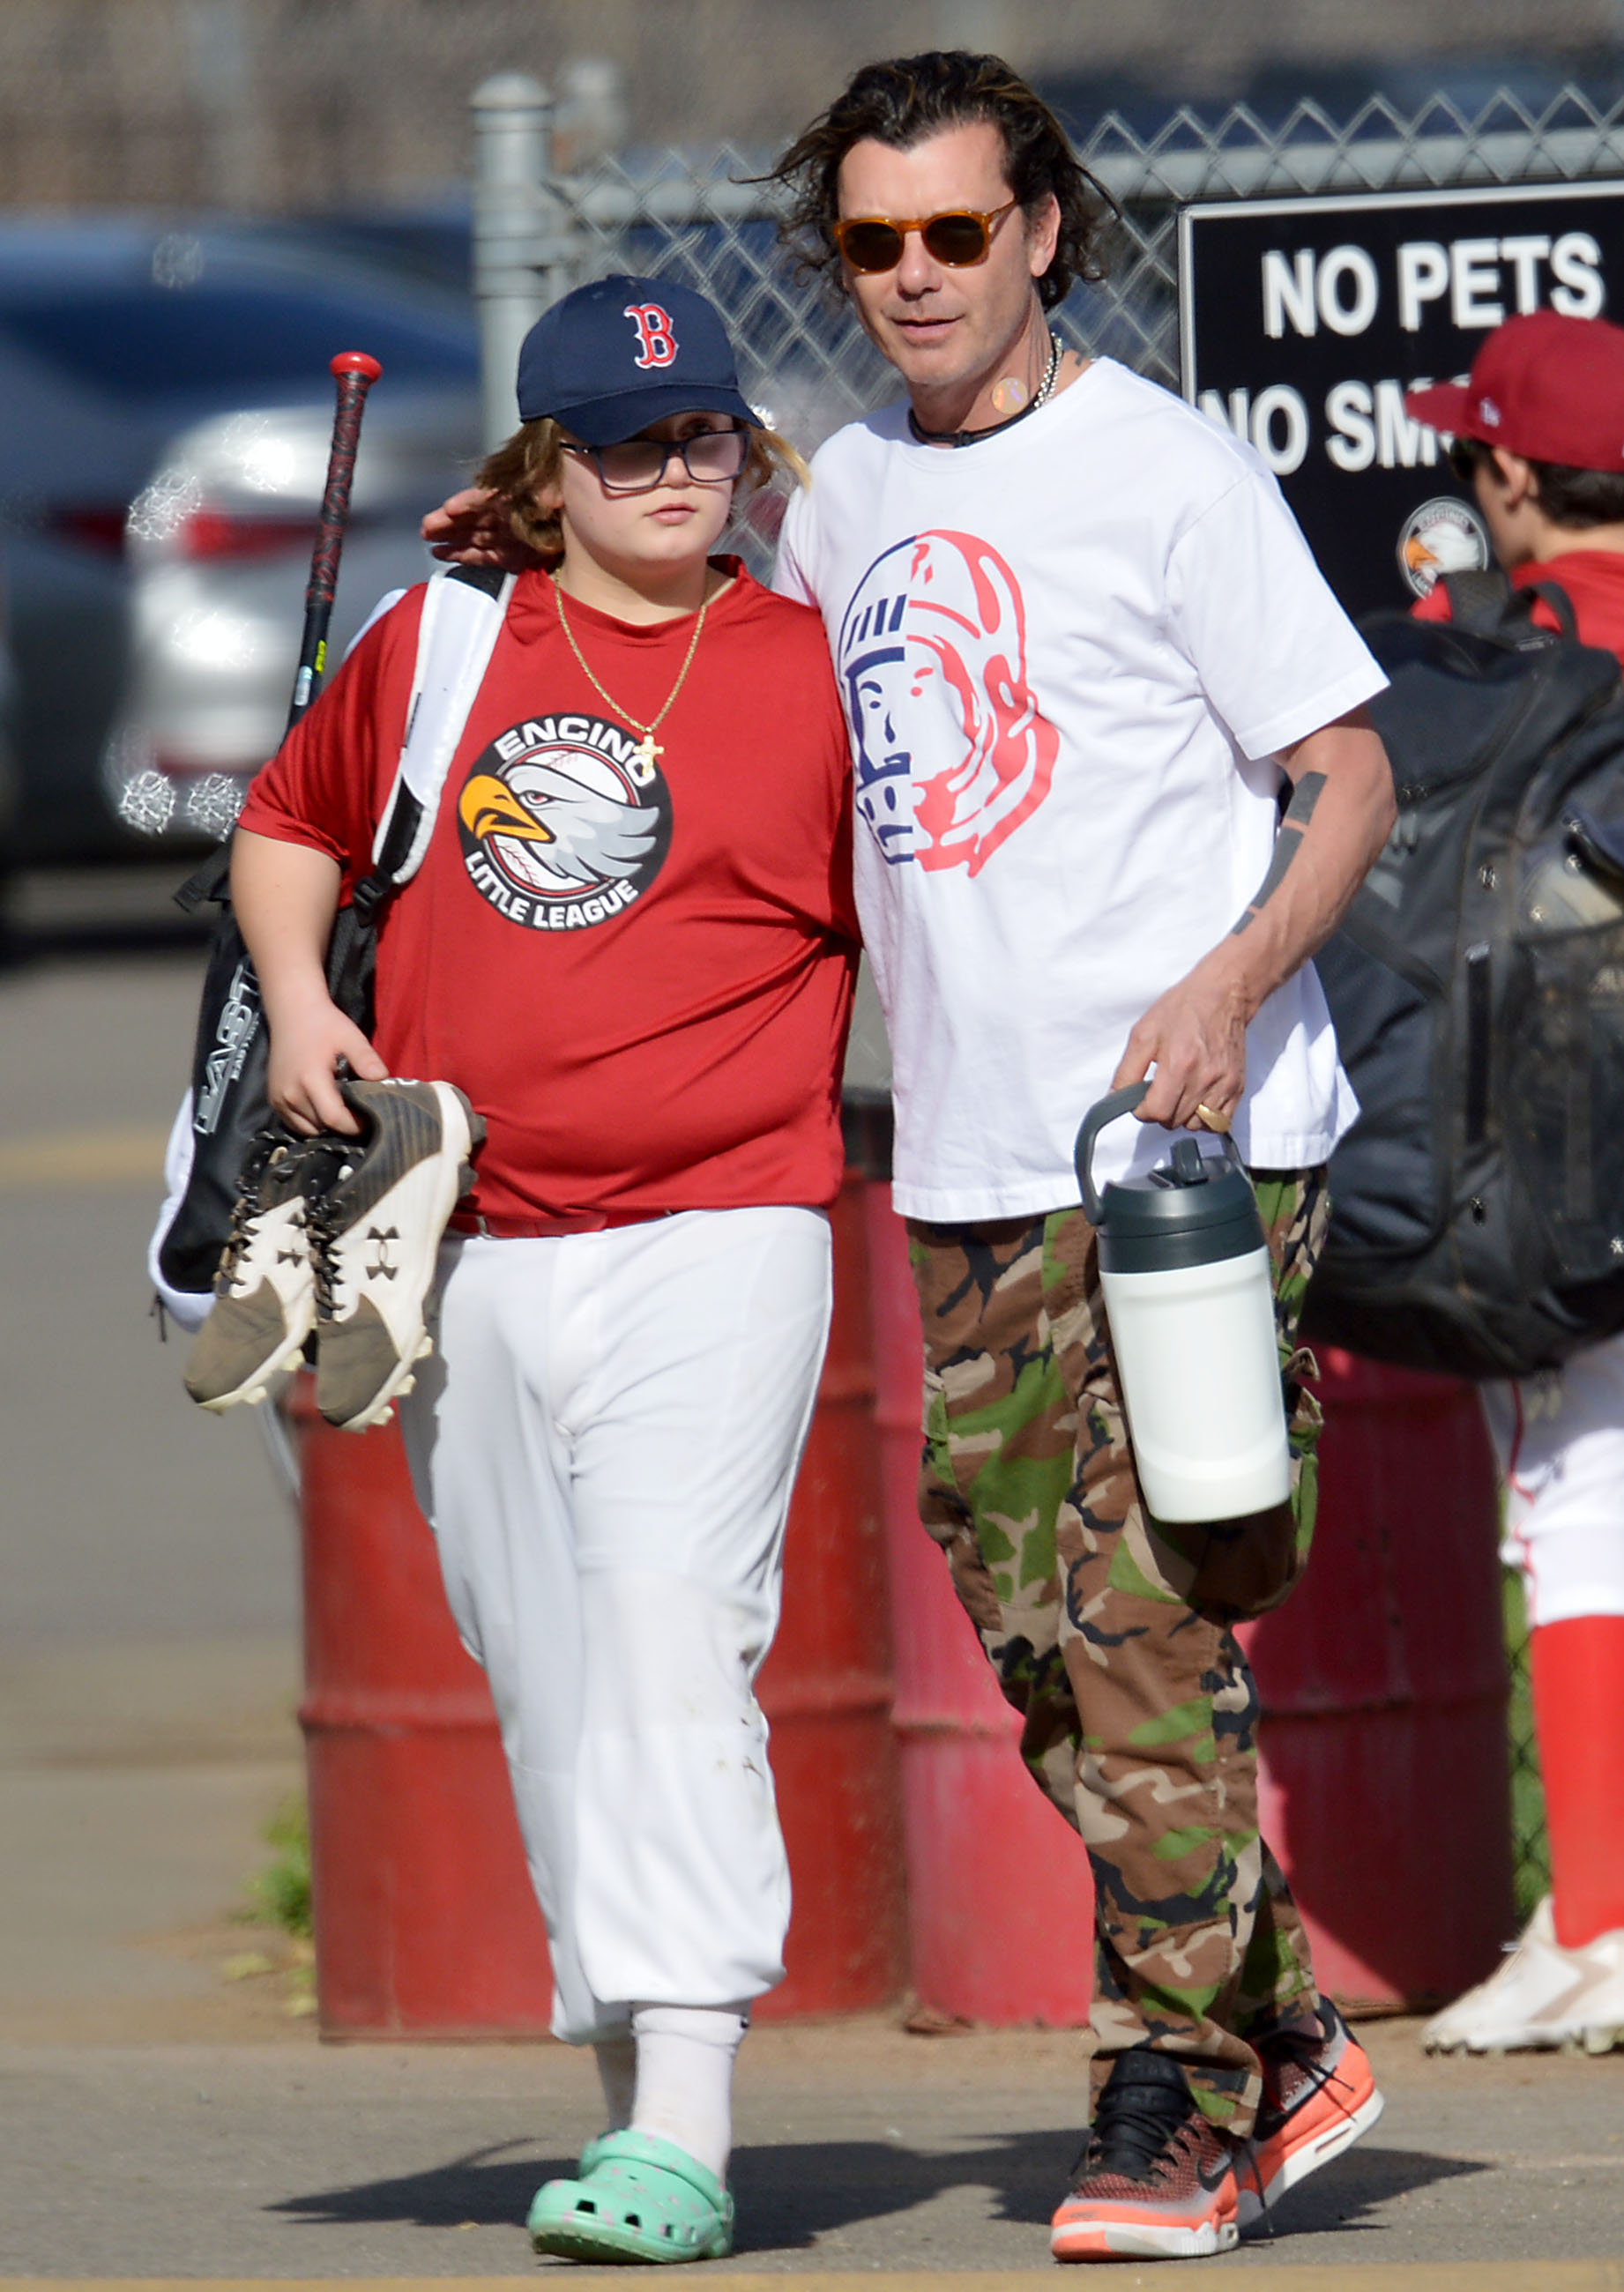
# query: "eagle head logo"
560,824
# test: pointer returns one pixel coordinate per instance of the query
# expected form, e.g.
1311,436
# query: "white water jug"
1190,1302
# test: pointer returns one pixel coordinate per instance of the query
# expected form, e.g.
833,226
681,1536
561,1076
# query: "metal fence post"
522,250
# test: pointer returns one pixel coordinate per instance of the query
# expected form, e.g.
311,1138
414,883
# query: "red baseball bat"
355,374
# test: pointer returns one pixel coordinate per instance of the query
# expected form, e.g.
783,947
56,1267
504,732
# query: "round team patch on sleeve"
563,822
1443,536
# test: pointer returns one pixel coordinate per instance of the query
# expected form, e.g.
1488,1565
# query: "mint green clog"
638,2198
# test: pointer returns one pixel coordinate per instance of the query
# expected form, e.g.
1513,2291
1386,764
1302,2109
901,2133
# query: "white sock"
685,2077
618,2074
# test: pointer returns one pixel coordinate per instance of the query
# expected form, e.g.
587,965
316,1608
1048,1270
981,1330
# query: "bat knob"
355,362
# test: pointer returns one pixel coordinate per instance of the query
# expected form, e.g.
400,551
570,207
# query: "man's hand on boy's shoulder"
469,528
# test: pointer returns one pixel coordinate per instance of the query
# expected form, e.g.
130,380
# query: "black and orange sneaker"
1318,2096
1155,2181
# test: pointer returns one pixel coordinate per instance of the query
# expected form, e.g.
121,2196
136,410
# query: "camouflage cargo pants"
1110,1632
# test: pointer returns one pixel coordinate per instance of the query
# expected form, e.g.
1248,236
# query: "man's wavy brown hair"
906,98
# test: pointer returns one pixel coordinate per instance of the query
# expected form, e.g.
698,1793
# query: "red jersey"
1594,578
640,973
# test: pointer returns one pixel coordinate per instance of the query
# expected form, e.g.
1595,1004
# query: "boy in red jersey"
632,946
1537,433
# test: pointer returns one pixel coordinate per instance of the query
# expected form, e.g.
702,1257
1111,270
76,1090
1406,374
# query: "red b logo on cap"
657,342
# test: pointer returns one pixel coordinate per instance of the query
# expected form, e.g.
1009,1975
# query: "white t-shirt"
1068,655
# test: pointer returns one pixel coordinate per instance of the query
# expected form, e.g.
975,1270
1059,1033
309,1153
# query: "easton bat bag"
227,1105
1477,987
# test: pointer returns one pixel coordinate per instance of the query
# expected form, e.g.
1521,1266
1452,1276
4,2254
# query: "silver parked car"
123,344
218,545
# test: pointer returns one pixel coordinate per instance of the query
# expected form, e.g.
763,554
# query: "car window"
152,344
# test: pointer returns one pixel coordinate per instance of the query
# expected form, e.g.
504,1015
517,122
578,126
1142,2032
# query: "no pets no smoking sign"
1303,322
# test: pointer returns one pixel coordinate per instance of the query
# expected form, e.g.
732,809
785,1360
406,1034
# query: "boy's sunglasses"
636,465
1464,457
957,240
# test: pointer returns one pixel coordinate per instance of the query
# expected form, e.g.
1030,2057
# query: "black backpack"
227,1106
1477,987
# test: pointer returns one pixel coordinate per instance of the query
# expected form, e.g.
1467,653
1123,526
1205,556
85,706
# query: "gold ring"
1218,1122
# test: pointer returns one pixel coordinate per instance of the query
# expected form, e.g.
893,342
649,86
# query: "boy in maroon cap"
1537,432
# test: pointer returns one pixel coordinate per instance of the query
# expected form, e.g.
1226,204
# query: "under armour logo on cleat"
383,1260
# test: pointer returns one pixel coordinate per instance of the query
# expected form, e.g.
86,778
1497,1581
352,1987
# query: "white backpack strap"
462,613
385,604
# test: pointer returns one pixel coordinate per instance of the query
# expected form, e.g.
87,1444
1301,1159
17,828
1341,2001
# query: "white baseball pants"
604,1442
1560,1440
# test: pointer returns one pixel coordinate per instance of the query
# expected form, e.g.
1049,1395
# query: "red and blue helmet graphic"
953,753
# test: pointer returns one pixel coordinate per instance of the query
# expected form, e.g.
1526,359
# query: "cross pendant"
648,748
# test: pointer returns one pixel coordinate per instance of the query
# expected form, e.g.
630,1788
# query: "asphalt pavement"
167,2111
860,2149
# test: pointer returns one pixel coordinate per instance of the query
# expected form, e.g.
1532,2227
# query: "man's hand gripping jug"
1188,1294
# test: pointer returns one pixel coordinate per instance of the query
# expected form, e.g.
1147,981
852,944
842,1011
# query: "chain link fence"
710,223
805,361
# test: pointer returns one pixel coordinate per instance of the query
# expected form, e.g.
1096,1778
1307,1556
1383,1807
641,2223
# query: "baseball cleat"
377,1231
1156,2181
264,1304
1539,1996
1319,2096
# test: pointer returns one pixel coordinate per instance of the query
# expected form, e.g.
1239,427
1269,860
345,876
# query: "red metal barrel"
1000,1898
425,1921
1386,1791
826,1686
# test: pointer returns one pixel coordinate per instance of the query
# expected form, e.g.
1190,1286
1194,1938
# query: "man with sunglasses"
1537,435
1083,650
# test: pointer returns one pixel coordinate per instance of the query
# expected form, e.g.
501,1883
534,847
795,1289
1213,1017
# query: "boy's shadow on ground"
791,2193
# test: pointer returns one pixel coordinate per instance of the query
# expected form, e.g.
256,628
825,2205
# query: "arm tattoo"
1299,811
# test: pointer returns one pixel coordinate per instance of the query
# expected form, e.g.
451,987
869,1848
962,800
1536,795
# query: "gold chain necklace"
648,747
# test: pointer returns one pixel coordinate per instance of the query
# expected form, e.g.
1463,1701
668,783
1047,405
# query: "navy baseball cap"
614,356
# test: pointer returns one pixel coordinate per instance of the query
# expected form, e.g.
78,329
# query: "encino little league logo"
564,824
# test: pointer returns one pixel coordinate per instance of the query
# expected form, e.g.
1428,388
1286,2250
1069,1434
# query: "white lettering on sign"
1525,254
1351,443
1369,426
1277,425
1481,275
1340,290
1288,293
1286,452
1232,413
1576,261
1473,276
1400,442
1354,315
1424,277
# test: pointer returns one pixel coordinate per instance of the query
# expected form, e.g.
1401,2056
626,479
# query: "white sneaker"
1542,1995
265,1291
378,1229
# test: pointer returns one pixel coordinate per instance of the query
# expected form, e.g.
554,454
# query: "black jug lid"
1197,1209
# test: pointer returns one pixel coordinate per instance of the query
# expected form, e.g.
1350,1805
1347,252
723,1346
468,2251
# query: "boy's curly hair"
906,98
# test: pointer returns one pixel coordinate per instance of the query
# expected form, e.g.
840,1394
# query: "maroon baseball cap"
1546,387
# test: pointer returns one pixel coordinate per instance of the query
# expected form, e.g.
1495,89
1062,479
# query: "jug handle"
1228,1157
1119,1102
